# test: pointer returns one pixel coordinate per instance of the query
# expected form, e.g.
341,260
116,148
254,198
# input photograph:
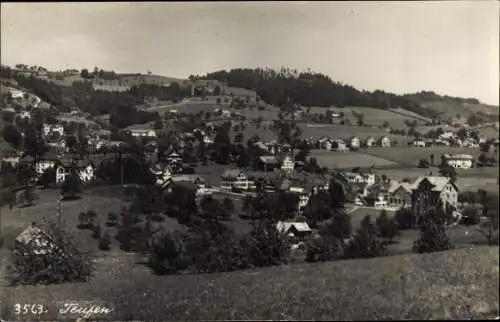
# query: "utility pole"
59,210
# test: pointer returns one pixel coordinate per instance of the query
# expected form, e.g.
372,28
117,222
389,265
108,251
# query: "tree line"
309,88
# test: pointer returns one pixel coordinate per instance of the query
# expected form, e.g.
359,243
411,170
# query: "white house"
354,143
14,93
447,135
385,142
356,178
36,241
370,142
294,229
340,145
47,129
25,115
44,163
162,174
459,161
287,163
235,178
419,143
85,170
143,133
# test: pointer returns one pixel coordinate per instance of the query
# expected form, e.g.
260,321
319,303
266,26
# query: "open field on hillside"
18,219
71,118
458,284
411,155
489,132
471,179
339,160
375,116
409,114
124,81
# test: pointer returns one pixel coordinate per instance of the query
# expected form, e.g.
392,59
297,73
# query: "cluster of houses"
450,138
353,143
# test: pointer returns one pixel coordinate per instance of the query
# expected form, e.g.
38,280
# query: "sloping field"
458,284
336,160
409,156
346,131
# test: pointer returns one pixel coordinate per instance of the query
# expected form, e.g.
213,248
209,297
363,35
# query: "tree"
85,73
266,246
62,262
432,160
423,163
12,136
105,241
167,253
29,195
112,219
387,227
228,205
447,170
404,218
323,248
72,185
158,125
96,231
365,243
433,236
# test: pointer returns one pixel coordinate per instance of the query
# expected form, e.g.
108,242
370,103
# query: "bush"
167,253
423,163
387,227
323,248
96,231
112,219
433,236
365,243
404,218
62,262
471,216
86,220
267,246
105,241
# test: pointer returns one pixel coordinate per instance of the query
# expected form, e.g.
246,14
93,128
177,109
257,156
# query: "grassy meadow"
339,160
457,284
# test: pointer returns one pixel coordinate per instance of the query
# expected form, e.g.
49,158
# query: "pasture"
339,160
458,284
409,156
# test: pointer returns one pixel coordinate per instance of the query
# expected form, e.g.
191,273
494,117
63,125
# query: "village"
135,188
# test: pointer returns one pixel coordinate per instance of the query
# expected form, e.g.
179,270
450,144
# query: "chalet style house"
84,168
235,178
428,192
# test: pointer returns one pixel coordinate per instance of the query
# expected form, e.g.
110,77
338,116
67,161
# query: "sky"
401,47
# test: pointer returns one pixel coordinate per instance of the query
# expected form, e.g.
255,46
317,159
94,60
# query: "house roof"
186,178
438,182
30,233
284,227
232,173
268,159
395,185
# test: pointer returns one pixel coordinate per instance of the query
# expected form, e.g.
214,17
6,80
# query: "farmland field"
458,284
333,160
409,156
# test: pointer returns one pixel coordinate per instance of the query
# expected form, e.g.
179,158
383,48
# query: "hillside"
122,83
458,284
279,87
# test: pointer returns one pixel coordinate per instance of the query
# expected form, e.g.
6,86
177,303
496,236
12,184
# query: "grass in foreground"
458,284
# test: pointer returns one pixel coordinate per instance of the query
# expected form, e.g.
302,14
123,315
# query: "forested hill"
278,87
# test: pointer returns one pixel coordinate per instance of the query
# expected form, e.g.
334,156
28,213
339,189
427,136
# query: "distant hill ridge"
279,87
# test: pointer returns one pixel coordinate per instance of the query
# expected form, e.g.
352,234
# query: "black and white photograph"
249,160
